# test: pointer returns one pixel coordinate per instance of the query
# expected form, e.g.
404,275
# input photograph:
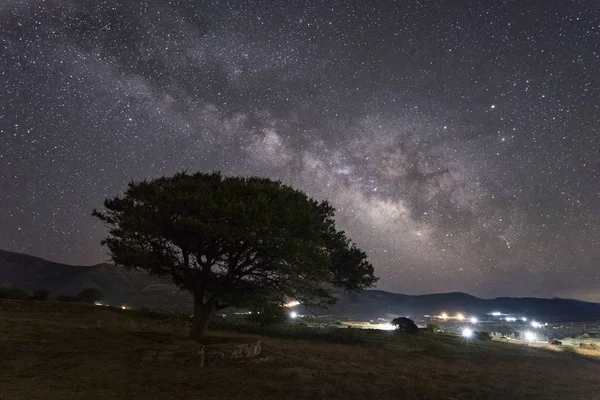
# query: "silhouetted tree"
90,295
406,325
41,294
229,239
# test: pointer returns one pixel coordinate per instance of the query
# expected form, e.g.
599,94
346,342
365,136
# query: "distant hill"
120,286
380,304
138,289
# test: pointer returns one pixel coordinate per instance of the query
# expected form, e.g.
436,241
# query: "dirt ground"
64,351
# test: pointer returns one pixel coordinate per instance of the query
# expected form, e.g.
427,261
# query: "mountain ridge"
136,288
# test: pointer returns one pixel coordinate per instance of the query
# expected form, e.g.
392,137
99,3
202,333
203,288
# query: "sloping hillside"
138,289
377,303
119,285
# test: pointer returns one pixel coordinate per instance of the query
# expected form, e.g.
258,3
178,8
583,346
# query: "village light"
467,332
444,315
294,315
460,317
529,336
535,324
473,320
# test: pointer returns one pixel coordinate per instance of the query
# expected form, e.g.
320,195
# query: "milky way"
458,140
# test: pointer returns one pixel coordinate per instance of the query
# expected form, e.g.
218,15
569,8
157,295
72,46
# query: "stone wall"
233,351
173,352
191,351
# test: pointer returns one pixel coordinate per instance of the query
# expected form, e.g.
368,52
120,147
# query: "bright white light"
473,320
496,313
467,332
291,304
535,324
387,327
294,315
524,319
509,319
529,336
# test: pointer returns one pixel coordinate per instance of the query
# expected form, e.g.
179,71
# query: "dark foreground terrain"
72,351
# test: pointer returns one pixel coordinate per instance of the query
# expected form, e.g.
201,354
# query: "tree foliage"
233,240
406,325
90,295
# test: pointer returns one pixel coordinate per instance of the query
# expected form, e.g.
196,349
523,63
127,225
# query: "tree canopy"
232,241
404,324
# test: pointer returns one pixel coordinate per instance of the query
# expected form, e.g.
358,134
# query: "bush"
90,295
405,325
14,294
433,327
483,335
68,299
41,295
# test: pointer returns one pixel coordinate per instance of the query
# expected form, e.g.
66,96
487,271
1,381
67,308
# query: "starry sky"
459,140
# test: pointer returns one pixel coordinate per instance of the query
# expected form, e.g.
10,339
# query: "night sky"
458,140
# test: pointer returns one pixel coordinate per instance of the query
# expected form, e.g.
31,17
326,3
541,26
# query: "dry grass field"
69,351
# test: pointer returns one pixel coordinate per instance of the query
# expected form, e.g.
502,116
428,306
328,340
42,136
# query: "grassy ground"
68,351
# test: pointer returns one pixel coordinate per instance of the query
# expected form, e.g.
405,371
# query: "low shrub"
41,295
14,293
68,299
405,325
90,295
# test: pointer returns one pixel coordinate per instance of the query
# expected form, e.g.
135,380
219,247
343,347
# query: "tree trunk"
202,315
